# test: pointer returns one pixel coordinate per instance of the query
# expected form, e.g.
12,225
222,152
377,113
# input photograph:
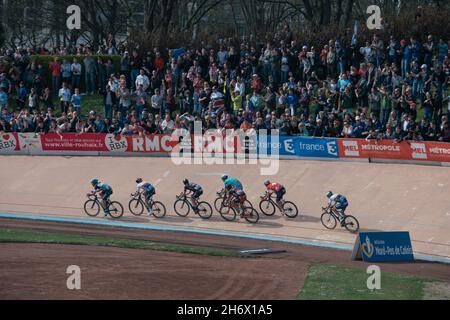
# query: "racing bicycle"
221,201
93,205
229,212
330,218
183,206
268,206
138,204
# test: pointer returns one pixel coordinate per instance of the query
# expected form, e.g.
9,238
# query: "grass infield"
31,236
328,282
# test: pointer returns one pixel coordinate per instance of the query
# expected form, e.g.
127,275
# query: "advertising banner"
384,149
299,147
257,145
9,143
309,147
389,149
73,142
383,247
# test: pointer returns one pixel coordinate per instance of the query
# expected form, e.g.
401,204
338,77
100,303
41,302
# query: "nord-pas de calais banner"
389,149
9,143
383,247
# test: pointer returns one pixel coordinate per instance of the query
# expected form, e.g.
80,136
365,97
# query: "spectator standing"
76,74
64,97
143,80
76,101
66,72
156,102
90,68
55,68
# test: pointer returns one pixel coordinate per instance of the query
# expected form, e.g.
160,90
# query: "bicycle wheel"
228,213
267,207
91,208
182,207
328,221
351,224
204,210
248,204
251,215
290,209
136,207
159,209
218,204
115,210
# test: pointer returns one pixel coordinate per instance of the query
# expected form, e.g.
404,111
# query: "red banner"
389,149
73,142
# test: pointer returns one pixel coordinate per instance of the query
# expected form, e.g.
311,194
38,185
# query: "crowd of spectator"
373,89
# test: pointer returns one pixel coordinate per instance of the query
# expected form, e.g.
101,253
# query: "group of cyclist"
234,192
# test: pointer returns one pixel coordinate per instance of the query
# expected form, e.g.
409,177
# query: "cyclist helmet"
329,194
224,177
186,181
139,180
95,182
266,182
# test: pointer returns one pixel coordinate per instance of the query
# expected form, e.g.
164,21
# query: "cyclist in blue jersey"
235,183
105,191
339,202
148,191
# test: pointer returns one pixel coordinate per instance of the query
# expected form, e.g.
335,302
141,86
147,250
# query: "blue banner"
385,246
309,147
298,147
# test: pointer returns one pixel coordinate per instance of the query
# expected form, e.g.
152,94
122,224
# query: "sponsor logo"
154,144
289,146
375,147
437,150
367,248
7,142
419,151
351,148
30,141
332,148
116,143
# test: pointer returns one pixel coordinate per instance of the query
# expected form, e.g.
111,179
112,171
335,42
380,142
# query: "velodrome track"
383,197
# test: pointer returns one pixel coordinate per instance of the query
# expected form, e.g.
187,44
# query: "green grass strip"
328,282
31,236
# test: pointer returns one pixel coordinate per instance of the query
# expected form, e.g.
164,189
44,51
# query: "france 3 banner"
389,149
298,147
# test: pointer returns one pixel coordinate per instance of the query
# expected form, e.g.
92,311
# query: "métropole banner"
389,149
